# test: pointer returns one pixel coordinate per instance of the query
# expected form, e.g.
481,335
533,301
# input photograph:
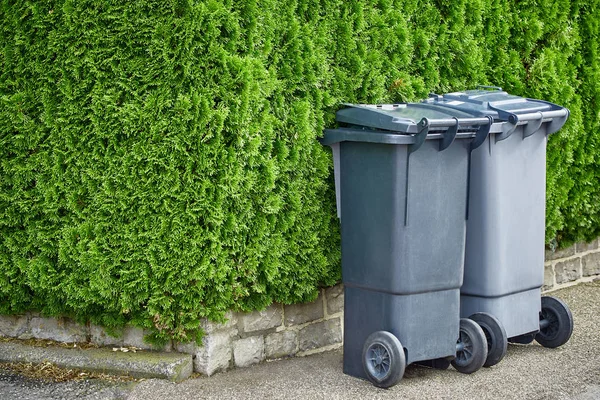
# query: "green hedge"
159,161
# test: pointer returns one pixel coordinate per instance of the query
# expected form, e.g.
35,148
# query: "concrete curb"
172,366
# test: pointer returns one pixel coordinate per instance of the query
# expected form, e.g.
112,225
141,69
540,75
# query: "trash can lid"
498,104
468,114
402,118
406,123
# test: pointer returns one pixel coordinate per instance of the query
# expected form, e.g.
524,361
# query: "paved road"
527,372
16,387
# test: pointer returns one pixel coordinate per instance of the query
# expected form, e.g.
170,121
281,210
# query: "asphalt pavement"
527,372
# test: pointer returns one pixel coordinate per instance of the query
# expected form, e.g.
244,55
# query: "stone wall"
245,339
580,262
278,331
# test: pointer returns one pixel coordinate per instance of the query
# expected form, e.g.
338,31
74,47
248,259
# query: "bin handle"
558,114
535,120
557,123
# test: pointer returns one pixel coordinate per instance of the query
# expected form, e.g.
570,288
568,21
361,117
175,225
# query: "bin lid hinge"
420,136
533,126
482,133
509,126
449,135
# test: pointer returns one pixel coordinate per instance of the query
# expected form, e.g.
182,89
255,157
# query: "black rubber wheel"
383,359
522,339
494,332
471,347
556,323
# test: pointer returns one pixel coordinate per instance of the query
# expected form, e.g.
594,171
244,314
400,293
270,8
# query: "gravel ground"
527,372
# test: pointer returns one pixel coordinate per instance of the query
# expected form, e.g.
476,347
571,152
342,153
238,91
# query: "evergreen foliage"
159,161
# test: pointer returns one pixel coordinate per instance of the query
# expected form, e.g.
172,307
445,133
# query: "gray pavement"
16,387
527,372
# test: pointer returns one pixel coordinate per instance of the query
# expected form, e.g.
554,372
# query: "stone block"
296,314
591,264
582,246
134,337
99,336
58,329
271,317
248,351
13,325
548,277
210,326
281,344
214,354
187,348
334,297
141,364
562,253
320,334
568,271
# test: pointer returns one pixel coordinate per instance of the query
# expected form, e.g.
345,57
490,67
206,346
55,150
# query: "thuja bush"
159,161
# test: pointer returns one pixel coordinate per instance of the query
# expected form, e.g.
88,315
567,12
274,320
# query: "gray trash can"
401,174
504,258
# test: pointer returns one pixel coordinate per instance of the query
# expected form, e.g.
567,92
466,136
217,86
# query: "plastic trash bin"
504,258
401,176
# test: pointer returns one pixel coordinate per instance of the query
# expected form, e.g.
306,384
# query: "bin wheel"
494,332
383,359
522,339
471,347
556,323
